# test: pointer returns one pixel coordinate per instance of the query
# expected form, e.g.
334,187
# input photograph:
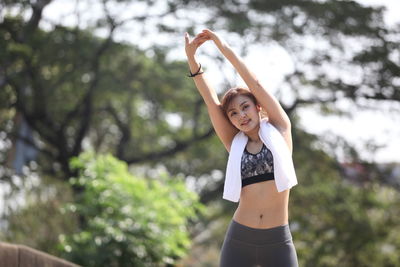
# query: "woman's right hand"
210,35
192,45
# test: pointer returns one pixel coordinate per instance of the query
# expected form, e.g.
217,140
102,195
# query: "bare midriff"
262,206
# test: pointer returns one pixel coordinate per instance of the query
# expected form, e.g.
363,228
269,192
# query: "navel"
261,216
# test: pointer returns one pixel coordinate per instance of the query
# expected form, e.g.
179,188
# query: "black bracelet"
197,73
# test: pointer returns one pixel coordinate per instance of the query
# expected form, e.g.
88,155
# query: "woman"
260,170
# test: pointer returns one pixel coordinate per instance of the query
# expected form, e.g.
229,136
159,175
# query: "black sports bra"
258,167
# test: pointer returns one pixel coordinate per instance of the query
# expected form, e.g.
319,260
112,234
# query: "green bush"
127,220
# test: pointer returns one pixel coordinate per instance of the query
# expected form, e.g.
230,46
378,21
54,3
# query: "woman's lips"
245,123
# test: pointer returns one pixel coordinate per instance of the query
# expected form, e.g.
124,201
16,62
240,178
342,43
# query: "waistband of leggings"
258,236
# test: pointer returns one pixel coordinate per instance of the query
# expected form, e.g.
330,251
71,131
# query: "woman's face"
243,113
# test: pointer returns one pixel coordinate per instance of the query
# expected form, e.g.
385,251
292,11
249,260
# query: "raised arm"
224,129
276,115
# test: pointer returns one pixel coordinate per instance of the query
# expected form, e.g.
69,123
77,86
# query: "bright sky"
392,9
382,128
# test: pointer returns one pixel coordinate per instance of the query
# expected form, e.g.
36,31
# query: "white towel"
285,176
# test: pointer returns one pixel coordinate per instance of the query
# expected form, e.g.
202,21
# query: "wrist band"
197,73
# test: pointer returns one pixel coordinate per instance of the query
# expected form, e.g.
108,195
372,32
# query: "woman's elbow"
284,125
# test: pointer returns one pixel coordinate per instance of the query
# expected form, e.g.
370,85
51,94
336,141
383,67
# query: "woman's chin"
249,127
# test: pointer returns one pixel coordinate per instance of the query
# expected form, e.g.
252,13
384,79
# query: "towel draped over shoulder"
285,176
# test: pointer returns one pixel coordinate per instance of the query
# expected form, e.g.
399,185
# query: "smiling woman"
260,169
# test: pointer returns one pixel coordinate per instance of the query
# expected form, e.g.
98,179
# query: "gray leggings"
251,247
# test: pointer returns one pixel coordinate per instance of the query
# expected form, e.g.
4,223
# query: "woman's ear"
258,107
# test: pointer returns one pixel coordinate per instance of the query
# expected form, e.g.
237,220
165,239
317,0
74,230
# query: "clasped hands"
192,45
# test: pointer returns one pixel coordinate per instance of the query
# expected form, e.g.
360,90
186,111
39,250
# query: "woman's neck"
253,135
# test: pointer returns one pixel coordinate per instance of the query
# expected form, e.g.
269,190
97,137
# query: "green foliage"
128,221
336,222
339,224
70,84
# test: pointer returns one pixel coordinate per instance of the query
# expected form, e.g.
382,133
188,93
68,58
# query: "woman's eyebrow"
241,104
229,110
244,102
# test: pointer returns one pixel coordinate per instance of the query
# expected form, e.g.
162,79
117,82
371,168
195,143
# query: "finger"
207,32
200,35
205,38
199,40
186,38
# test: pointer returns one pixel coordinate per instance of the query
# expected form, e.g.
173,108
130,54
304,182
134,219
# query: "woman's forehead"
239,100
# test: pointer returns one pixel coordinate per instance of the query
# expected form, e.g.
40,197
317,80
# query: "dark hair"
237,91
234,92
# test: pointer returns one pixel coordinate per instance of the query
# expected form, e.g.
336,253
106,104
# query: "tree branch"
37,9
31,119
291,108
124,128
179,146
86,102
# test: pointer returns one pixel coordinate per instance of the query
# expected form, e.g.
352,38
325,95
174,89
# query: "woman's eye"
233,113
245,107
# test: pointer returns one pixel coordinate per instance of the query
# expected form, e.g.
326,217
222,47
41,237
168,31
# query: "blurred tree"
130,221
338,222
67,85
335,45
127,113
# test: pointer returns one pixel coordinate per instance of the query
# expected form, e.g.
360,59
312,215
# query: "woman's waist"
262,217
259,213
263,202
267,208
263,192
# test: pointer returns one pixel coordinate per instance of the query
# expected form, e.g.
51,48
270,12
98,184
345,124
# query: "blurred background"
108,157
